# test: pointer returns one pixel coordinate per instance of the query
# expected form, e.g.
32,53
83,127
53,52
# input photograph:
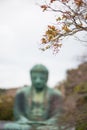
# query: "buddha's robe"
36,109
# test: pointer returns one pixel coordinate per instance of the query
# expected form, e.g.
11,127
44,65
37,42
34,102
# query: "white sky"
22,23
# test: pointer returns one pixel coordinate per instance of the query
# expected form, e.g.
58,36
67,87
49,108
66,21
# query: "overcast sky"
22,23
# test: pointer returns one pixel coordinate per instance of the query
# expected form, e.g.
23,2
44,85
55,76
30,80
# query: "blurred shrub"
6,107
74,89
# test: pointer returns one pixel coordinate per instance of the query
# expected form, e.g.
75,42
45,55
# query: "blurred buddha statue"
36,106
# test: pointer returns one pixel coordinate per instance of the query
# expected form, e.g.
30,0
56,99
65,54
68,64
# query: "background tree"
71,18
75,93
7,103
6,107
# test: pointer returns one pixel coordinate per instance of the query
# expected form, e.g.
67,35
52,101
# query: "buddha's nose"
38,80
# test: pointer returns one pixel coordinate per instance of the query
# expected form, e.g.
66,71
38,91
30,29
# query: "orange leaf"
51,1
65,1
65,28
43,40
78,2
44,7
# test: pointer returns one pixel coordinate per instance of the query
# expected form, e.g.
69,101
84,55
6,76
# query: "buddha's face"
39,80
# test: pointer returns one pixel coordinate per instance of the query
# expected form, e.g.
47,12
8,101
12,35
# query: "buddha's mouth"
39,86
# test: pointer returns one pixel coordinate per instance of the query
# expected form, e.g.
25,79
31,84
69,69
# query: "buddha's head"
39,77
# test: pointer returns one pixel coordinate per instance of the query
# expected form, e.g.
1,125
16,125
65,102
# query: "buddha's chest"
37,111
38,107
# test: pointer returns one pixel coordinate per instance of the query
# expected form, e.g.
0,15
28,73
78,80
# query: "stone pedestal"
8,125
2,124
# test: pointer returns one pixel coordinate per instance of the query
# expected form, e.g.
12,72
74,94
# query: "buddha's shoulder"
24,89
55,92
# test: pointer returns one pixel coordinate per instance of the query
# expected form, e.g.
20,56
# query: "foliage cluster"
77,78
71,18
6,107
2,90
76,97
